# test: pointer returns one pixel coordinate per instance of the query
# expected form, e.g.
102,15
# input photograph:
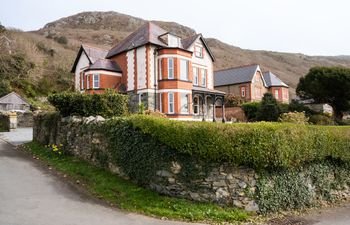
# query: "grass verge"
130,197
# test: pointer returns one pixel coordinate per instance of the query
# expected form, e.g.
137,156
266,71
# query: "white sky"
314,27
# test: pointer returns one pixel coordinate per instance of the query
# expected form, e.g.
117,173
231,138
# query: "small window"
276,94
195,76
184,69
184,103
243,93
82,81
87,82
96,81
198,51
160,66
196,106
204,77
160,102
171,102
170,68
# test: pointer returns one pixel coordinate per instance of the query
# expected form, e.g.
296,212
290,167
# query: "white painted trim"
163,91
174,56
103,72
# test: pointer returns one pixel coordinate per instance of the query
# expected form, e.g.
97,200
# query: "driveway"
30,195
18,136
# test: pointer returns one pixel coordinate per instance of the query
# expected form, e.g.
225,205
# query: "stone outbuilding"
13,102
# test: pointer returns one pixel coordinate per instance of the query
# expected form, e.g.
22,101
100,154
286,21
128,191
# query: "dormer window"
173,41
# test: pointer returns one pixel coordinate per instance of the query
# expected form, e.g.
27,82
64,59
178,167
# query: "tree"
268,110
5,88
327,85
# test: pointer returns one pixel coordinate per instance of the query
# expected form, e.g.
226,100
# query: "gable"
199,40
13,98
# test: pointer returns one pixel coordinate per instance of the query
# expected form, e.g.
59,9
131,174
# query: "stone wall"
25,119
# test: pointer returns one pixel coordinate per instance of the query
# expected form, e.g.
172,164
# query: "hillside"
105,29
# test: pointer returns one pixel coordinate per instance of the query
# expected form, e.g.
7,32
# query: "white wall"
205,62
82,63
130,56
141,67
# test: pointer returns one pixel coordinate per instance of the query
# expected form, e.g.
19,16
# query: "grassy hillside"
53,57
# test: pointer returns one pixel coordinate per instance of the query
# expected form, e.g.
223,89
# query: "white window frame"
171,101
184,63
173,41
195,76
171,68
198,54
160,102
243,92
276,94
204,78
94,80
184,105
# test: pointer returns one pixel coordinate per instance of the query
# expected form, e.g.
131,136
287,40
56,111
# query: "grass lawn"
130,197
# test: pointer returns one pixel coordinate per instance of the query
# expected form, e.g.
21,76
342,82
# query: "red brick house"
250,83
157,68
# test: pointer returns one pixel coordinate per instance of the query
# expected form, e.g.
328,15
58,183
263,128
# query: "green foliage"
14,66
320,119
5,87
61,40
130,197
289,189
257,145
293,117
41,47
250,110
283,108
327,85
296,106
141,108
268,110
108,104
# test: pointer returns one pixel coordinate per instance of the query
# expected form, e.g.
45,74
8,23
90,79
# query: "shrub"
108,104
320,119
155,113
296,106
233,101
5,88
294,117
256,145
268,110
61,39
283,108
250,110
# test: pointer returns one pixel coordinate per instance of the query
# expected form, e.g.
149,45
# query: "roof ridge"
90,46
237,67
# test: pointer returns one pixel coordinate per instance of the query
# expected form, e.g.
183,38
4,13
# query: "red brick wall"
232,112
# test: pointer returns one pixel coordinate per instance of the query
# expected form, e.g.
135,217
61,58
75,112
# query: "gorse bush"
108,104
293,117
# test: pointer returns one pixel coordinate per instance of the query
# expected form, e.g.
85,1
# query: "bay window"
204,77
183,69
184,103
96,81
195,76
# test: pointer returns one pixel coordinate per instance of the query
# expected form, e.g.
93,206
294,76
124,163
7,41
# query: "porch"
205,103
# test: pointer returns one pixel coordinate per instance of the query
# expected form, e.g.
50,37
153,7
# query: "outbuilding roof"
272,80
236,75
13,98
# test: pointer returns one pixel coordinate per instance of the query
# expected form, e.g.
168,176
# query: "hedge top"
256,145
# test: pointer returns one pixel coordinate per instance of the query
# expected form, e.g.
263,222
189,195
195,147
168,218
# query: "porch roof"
207,90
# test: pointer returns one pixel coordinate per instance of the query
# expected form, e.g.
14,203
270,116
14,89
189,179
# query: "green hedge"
257,145
108,104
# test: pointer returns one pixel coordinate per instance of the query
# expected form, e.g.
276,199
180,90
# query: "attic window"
173,41
198,50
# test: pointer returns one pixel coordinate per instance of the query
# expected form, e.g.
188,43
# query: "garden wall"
126,148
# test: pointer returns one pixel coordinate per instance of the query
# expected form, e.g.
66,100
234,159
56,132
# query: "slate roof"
105,64
148,33
13,98
187,42
92,53
237,75
272,80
